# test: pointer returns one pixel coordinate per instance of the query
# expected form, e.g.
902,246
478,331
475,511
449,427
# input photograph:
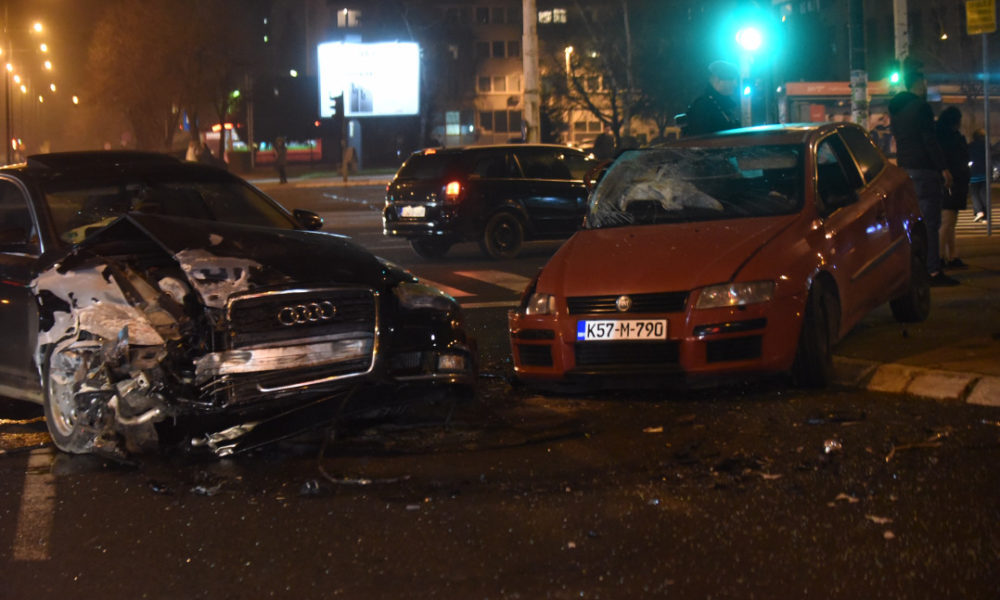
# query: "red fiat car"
745,252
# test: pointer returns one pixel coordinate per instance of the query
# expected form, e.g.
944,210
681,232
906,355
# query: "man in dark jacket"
920,154
715,109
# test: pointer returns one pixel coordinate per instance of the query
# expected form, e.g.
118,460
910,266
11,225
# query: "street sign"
980,16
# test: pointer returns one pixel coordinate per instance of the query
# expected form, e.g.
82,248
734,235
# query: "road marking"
511,281
453,292
34,521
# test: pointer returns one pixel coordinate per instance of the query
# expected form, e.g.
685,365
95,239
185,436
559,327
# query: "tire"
503,236
914,305
431,248
64,375
813,365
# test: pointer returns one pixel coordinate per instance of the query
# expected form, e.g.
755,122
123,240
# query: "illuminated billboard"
377,80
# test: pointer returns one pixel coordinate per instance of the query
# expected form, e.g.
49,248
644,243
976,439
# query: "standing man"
281,158
715,109
911,120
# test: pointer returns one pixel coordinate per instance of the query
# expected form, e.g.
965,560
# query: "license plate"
413,211
613,330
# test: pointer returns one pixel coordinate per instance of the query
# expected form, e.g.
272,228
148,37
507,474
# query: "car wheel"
433,248
915,304
503,236
65,375
813,366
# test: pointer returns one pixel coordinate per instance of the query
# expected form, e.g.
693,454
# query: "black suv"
498,195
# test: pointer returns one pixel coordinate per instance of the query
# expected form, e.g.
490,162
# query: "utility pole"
859,73
902,31
532,95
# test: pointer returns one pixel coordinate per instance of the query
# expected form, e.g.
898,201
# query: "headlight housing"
540,304
739,293
415,295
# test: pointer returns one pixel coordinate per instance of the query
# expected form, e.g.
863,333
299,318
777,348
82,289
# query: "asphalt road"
742,492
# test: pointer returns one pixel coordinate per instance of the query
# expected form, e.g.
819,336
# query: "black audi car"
145,301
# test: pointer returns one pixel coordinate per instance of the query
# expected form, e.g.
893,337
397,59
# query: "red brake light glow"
452,192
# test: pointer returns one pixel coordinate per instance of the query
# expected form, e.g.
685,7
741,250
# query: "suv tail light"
452,191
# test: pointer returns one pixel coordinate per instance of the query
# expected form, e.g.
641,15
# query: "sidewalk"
953,355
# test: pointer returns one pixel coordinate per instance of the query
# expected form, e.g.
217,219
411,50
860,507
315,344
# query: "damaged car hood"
653,258
221,259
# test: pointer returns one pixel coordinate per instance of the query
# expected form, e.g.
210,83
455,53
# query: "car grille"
348,324
254,320
589,354
641,303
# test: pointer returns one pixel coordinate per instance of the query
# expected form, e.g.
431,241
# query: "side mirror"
308,219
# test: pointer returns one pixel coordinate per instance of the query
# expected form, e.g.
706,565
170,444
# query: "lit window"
545,16
559,15
348,18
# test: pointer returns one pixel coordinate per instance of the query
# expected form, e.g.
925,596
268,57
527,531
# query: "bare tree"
152,61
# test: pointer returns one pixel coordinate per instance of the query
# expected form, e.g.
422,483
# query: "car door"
19,254
872,163
856,228
555,197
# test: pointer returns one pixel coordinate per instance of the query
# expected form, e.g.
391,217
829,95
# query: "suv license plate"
413,211
613,330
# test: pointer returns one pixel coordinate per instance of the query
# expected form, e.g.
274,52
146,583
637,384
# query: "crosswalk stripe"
34,521
453,292
511,281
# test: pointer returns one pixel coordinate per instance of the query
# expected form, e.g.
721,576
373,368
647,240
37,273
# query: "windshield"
680,185
80,207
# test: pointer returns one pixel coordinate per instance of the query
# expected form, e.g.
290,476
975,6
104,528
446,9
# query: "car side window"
17,228
837,179
868,156
543,164
490,166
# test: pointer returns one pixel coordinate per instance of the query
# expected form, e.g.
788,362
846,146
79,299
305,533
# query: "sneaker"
956,263
979,218
939,279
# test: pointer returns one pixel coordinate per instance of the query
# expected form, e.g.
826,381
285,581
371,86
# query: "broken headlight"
414,295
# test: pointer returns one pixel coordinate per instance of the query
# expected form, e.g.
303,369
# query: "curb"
935,384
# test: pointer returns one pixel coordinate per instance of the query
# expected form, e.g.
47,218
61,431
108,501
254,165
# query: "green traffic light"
894,78
749,38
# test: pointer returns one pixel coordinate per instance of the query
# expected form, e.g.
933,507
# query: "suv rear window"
429,166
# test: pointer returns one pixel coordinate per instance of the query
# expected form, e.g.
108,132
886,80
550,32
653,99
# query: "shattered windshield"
679,185
80,208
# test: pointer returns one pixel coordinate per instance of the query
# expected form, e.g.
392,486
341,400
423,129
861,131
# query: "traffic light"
337,106
894,78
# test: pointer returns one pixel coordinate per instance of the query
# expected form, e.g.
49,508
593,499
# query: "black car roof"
487,147
105,164
96,159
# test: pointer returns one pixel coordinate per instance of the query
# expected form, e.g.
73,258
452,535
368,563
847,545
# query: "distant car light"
735,294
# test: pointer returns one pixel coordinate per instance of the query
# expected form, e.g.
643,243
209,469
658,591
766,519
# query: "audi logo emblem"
302,314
